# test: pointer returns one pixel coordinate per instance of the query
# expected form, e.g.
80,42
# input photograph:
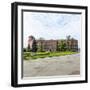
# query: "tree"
68,37
62,46
40,46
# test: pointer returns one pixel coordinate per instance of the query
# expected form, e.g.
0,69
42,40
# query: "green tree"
40,46
62,46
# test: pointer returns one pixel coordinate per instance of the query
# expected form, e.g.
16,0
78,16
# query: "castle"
52,45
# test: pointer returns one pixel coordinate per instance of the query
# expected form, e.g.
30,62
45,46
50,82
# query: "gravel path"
63,65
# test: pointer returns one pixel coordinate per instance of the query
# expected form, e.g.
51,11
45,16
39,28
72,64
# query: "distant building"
71,44
48,45
52,45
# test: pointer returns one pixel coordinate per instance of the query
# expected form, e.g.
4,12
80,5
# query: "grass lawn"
28,56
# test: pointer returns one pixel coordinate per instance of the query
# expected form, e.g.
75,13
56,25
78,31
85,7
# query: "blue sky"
51,25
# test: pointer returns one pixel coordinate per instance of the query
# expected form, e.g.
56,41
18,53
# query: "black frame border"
14,43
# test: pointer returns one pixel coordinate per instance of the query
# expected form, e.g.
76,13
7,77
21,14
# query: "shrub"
43,53
26,55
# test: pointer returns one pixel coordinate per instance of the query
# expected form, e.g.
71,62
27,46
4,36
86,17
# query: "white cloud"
51,26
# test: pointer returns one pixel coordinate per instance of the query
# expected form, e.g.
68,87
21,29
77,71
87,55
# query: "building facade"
52,45
47,45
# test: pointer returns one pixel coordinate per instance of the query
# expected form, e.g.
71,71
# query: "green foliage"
61,46
43,53
28,56
40,48
24,49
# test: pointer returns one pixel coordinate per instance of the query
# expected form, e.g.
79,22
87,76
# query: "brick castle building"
52,45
